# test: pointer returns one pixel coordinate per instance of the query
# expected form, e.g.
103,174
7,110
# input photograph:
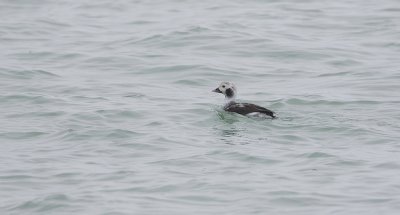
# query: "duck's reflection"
230,132
227,118
232,135
229,129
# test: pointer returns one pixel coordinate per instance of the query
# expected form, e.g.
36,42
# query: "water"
106,107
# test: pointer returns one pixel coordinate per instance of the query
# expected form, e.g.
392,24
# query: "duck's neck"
229,99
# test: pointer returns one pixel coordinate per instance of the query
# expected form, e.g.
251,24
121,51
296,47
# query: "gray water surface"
106,107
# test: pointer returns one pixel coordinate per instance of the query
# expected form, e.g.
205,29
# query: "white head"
228,89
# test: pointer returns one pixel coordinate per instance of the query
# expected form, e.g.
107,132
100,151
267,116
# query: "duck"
247,109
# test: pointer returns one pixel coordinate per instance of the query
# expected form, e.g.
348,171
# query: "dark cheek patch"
229,92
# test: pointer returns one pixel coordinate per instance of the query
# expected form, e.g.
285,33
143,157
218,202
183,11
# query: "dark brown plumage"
247,108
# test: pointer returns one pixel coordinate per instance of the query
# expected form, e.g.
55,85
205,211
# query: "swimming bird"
247,109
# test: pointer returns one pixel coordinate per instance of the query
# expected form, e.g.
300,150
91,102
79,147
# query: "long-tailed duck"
229,90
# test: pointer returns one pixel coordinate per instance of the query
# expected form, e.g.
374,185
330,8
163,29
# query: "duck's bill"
217,91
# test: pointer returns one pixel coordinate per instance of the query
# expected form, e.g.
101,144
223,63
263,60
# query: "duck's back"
247,108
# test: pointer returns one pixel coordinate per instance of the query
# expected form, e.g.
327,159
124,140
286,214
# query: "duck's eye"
223,86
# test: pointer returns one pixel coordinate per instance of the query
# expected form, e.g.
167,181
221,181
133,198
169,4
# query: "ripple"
49,203
22,135
26,74
120,133
296,101
120,114
37,114
317,155
249,158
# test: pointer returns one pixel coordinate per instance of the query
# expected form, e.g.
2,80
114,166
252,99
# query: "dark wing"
246,108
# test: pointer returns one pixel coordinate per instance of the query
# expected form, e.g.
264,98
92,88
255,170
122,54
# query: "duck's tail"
269,113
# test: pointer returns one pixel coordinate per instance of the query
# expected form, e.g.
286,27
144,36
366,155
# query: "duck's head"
226,88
